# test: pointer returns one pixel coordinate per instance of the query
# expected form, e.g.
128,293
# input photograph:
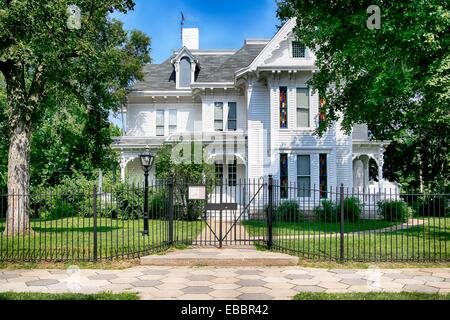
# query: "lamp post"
146,163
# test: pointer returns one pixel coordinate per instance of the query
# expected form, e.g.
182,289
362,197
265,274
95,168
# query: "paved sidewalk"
226,283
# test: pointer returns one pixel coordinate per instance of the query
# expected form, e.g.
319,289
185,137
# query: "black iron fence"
335,224
83,225
359,225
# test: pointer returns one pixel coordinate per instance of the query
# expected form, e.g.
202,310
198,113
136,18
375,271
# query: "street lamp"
146,163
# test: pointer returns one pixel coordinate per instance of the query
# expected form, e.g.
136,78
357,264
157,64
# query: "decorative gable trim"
183,53
269,49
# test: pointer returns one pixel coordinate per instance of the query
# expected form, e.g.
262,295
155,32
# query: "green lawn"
73,238
371,296
430,241
66,296
259,227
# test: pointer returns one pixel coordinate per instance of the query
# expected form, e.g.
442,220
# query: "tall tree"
42,54
395,78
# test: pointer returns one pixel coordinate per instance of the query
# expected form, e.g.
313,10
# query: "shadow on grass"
74,229
431,232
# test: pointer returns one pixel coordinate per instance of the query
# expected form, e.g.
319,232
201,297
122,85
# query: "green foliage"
288,211
129,202
4,135
352,209
70,80
432,205
394,210
182,174
194,210
68,296
395,79
326,211
74,197
70,150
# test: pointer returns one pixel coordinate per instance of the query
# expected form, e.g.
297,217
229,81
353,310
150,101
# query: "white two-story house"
259,98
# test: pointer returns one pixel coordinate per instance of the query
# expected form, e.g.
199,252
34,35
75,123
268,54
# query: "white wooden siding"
258,128
282,56
141,118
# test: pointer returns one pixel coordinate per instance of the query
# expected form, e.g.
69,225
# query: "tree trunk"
18,221
21,107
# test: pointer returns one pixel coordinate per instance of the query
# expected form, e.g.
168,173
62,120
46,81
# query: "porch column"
365,161
123,165
380,168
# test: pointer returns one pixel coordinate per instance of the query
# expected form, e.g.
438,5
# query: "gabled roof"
184,52
214,67
273,44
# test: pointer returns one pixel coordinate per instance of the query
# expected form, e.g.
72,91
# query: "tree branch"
37,84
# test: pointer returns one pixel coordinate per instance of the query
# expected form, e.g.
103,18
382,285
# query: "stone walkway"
231,233
226,283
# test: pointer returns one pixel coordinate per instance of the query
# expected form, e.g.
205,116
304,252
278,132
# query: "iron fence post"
341,201
145,203
270,213
94,208
171,210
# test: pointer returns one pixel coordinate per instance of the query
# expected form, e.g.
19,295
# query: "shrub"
432,206
130,203
352,209
288,211
326,211
194,210
158,205
394,210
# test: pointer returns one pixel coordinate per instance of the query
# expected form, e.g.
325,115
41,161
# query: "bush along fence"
359,225
90,224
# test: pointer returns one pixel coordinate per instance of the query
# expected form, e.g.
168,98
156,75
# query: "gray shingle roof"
213,68
241,59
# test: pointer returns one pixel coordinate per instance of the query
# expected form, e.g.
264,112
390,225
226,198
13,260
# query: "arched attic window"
185,73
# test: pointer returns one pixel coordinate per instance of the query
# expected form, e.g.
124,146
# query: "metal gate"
231,214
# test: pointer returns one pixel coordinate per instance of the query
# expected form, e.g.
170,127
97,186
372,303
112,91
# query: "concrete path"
226,257
226,283
232,233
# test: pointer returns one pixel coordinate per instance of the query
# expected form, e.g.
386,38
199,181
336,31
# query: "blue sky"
223,24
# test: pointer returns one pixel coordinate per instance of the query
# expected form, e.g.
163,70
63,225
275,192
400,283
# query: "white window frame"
173,126
299,189
231,119
291,51
216,120
297,107
232,173
159,125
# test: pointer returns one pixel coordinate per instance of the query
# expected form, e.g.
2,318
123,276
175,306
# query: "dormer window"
185,73
298,49
185,65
